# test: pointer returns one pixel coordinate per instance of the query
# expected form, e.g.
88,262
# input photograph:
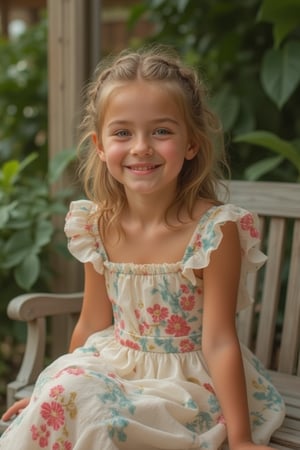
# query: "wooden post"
70,58
67,65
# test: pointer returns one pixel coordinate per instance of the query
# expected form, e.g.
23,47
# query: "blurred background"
247,53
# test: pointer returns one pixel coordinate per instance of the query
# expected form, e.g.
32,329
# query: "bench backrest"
271,327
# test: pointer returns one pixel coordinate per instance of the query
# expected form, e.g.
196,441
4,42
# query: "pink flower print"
112,375
122,324
56,391
247,223
209,388
75,371
88,227
143,327
184,288
197,243
137,313
187,303
186,345
254,232
65,445
158,313
177,326
71,370
53,413
131,344
41,435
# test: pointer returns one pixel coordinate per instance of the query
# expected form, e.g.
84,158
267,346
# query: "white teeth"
142,168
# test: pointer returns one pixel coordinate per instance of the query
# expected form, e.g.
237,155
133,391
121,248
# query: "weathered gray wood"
267,198
289,358
28,307
68,72
271,292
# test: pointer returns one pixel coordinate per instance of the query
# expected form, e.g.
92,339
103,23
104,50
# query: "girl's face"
144,138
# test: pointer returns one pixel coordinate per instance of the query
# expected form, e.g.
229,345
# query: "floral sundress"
143,383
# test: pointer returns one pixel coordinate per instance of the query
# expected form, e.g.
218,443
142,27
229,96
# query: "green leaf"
28,271
284,15
280,73
5,213
43,233
16,248
28,160
260,168
59,163
9,172
274,143
227,106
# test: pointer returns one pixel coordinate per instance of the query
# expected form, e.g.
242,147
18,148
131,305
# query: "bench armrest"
29,307
34,310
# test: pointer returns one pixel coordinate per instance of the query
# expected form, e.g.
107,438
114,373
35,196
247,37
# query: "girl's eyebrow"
120,122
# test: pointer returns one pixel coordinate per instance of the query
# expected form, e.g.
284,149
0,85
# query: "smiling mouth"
143,168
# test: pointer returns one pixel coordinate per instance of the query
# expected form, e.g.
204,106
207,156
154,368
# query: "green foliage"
248,53
280,74
23,96
26,212
286,150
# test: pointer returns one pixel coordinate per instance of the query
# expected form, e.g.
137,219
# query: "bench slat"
289,355
271,292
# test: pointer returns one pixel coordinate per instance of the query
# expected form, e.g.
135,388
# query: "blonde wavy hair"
199,177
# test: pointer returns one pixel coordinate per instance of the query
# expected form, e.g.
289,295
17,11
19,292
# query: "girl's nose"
141,147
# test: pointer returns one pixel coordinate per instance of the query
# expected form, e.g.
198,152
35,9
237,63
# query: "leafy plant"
280,78
23,96
286,151
26,212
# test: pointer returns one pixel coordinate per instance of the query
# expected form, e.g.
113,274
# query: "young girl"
166,262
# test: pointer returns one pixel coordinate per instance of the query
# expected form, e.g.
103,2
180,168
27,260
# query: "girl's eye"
161,131
122,133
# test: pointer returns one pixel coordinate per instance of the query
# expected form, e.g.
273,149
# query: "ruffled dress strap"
81,229
207,238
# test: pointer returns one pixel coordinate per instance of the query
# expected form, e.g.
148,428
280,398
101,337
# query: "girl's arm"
96,312
220,342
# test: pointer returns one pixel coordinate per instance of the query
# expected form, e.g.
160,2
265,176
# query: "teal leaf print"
210,239
117,425
172,299
202,422
214,404
115,393
166,344
270,397
257,419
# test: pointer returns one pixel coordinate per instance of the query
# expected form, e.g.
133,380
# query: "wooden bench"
271,327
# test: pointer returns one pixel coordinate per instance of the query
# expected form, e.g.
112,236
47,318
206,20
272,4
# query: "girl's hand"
15,409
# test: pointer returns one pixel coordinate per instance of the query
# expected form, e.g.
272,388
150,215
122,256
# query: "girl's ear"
191,151
98,147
